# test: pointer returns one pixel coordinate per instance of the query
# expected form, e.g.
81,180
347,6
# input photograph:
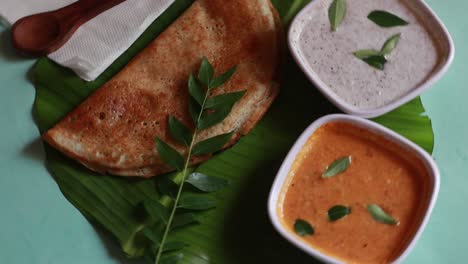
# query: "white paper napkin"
97,43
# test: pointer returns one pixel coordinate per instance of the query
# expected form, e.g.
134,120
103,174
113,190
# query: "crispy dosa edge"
157,169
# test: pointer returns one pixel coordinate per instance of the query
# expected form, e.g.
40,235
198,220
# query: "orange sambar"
381,172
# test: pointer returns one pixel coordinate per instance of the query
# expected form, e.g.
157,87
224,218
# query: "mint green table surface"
38,225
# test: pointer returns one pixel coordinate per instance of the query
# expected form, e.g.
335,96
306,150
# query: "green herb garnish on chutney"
336,13
386,19
380,215
338,212
377,59
337,167
303,228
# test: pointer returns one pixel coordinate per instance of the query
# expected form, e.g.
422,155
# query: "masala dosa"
113,130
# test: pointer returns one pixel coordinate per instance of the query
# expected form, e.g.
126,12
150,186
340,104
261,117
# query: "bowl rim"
432,78
282,176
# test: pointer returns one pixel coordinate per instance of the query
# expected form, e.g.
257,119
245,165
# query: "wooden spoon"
43,33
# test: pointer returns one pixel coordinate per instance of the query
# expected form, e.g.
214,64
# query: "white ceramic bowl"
281,177
433,24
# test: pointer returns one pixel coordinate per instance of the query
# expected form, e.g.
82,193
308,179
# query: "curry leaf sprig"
206,111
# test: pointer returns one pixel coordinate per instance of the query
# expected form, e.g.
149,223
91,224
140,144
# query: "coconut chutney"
330,54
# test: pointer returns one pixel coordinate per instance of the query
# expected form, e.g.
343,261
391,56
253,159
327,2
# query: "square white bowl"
432,23
282,176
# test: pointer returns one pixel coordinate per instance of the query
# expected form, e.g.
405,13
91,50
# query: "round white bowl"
282,175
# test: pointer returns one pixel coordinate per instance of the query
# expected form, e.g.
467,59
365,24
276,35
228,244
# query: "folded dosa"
113,130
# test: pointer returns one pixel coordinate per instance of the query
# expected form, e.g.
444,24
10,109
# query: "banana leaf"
238,230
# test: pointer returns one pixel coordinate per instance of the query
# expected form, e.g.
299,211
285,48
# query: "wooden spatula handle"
44,33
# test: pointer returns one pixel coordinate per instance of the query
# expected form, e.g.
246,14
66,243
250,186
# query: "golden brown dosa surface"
113,130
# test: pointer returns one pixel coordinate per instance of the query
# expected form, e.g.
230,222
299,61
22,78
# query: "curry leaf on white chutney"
377,59
362,54
336,13
390,44
386,19
337,167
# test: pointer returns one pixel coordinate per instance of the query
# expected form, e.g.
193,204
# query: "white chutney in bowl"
421,56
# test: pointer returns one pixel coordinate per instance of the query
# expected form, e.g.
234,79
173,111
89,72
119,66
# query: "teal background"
38,225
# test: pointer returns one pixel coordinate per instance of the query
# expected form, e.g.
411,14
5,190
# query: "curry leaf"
209,119
156,210
171,259
211,145
221,79
336,13
375,58
377,62
169,155
386,19
206,72
174,245
151,236
183,220
390,44
195,90
179,131
303,228
167,187
227,99
196,202
206,183
194,109
337,212
362,54
380,215
337,167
